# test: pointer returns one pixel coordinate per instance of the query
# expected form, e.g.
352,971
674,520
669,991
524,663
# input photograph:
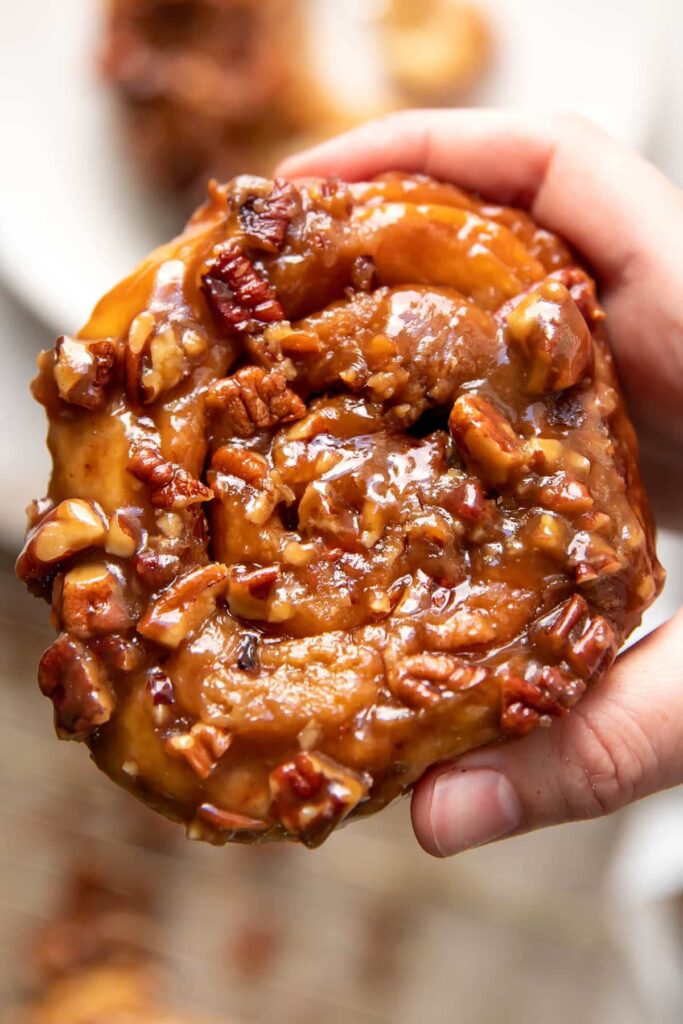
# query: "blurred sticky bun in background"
213,88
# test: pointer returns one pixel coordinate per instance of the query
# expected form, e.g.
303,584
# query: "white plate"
75,216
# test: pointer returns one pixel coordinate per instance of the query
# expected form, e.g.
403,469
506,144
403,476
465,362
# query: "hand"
625,739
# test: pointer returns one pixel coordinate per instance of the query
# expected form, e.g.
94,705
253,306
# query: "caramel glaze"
343,487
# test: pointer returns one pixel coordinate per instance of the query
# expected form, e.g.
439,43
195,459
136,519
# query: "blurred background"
114,115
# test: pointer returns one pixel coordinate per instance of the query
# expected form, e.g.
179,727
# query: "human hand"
625,739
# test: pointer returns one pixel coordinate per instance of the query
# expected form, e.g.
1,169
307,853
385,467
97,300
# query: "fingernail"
472,807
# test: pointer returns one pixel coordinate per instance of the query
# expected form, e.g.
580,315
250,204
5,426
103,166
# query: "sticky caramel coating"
343,487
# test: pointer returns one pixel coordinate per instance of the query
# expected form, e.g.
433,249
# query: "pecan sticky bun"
213,87
343,487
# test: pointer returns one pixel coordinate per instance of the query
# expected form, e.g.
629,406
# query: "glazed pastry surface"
343,487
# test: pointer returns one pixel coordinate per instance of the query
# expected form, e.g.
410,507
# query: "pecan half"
486,439
75,681
71,526
312,794
248,466
586,642
171,486
90,600
238,297
253,400
202,747
424,680
83,369
185,606
264,219
554,339
523,705
160,355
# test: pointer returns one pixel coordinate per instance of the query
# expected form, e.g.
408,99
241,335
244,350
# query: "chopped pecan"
125,532
548,329
552,632
230,821
71,526
594,650
83,369
423,680
250,591
119,653
466,500
163,557
91,599
312,794
240,462
185,606
559,493
524,703
570,633
159,355
202,747
486,439
264,219
592,557
582,290
171,486
548,533
253,400
75,681
238,297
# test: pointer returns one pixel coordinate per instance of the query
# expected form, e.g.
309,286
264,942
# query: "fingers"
573,177
622,742
618,211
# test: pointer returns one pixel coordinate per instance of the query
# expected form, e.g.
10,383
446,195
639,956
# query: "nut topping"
486,439
124,532
253,400
171,486
424,680
265,218
83,369
91,600
586,642
239,462
312,794
184,607
72,526
348,489
249,591
202,747
76,683
238,297
550,332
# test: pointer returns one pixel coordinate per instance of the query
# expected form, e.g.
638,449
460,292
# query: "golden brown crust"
350,491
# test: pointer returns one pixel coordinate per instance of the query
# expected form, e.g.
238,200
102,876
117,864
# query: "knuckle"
607,759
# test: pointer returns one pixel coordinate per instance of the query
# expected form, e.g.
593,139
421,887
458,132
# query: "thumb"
622,742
